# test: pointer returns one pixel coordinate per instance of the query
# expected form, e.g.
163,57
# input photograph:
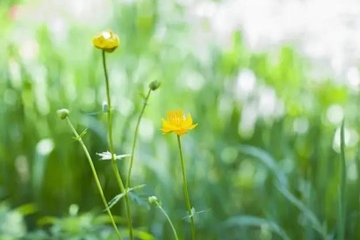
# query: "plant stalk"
342,197
112,151
135,139
169,220
185,188
95,177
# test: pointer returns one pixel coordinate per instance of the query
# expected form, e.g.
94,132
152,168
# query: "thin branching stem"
168,218
97,181
135,139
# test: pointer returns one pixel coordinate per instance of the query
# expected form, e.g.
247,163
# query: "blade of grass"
257,222
265,159
357,193
282,185
304,209
342,207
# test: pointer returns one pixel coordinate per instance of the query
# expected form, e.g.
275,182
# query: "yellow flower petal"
188,120
192,126
107,41
177,123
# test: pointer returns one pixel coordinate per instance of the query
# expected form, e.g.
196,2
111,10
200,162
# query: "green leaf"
265,159
117,198
304,209
114,200
256,222
82,134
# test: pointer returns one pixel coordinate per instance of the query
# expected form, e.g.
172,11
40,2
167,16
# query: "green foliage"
271,182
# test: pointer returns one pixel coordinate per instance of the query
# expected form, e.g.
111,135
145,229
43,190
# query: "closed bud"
63,113
152,199
107,41
154,85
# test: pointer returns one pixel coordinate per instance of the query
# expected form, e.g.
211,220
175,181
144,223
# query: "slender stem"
112,151
135,138
95,177
186,192
342,207
357,161
168,218
109,118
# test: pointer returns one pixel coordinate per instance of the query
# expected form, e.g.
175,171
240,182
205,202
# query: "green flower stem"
135,138
95,177
112,151
168,218
186,192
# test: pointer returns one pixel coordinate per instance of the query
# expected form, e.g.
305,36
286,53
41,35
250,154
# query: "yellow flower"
107,41
177,123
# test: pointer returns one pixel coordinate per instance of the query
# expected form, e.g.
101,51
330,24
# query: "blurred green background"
263,163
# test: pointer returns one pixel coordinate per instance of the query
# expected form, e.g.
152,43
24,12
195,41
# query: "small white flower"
107,156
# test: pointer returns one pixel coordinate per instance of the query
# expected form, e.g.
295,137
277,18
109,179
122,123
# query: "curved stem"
168,218
186,192
135,139
112,151
95,177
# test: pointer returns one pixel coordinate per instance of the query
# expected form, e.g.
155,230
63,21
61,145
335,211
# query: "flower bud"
63,113
154,85
107,41
152,199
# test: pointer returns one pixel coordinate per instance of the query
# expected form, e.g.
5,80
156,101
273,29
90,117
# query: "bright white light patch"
300,125
45,146
146,130
351,138
353,78
335,114
245,84
106,35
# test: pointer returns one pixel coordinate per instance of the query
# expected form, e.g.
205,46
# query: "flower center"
176,117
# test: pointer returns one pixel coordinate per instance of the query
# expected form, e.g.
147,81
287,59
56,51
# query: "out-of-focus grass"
275,179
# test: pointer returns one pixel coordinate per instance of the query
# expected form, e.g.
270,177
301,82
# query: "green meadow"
274,154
